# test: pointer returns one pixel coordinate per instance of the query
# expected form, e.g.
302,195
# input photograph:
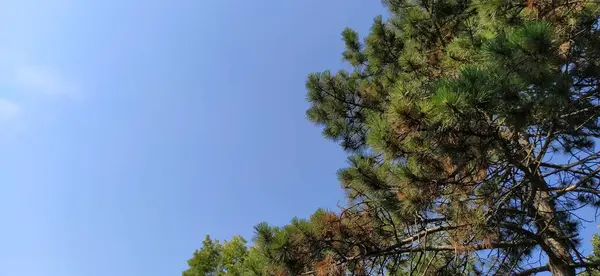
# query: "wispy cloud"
8,109
46,80
30,87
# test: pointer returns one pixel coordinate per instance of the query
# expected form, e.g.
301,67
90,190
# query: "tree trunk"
553,241
555,244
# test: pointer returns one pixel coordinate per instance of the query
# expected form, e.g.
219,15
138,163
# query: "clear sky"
130,128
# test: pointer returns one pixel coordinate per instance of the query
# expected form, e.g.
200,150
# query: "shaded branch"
547,268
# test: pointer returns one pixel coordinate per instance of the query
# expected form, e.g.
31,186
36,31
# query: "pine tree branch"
534,270
577,185
579,111
438,248
426,232
569,167
321,89
547,268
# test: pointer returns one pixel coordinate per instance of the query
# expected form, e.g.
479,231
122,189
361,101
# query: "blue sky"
130,129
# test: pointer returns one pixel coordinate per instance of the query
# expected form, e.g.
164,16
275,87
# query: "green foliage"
231,258
206,260
595,256
470,127
456,115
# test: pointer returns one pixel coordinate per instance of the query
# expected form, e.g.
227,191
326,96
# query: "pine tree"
595,256
230,258
471,128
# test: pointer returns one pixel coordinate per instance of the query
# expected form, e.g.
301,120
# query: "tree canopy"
228,258
471,130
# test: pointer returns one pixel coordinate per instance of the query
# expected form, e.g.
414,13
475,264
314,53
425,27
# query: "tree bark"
554,241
